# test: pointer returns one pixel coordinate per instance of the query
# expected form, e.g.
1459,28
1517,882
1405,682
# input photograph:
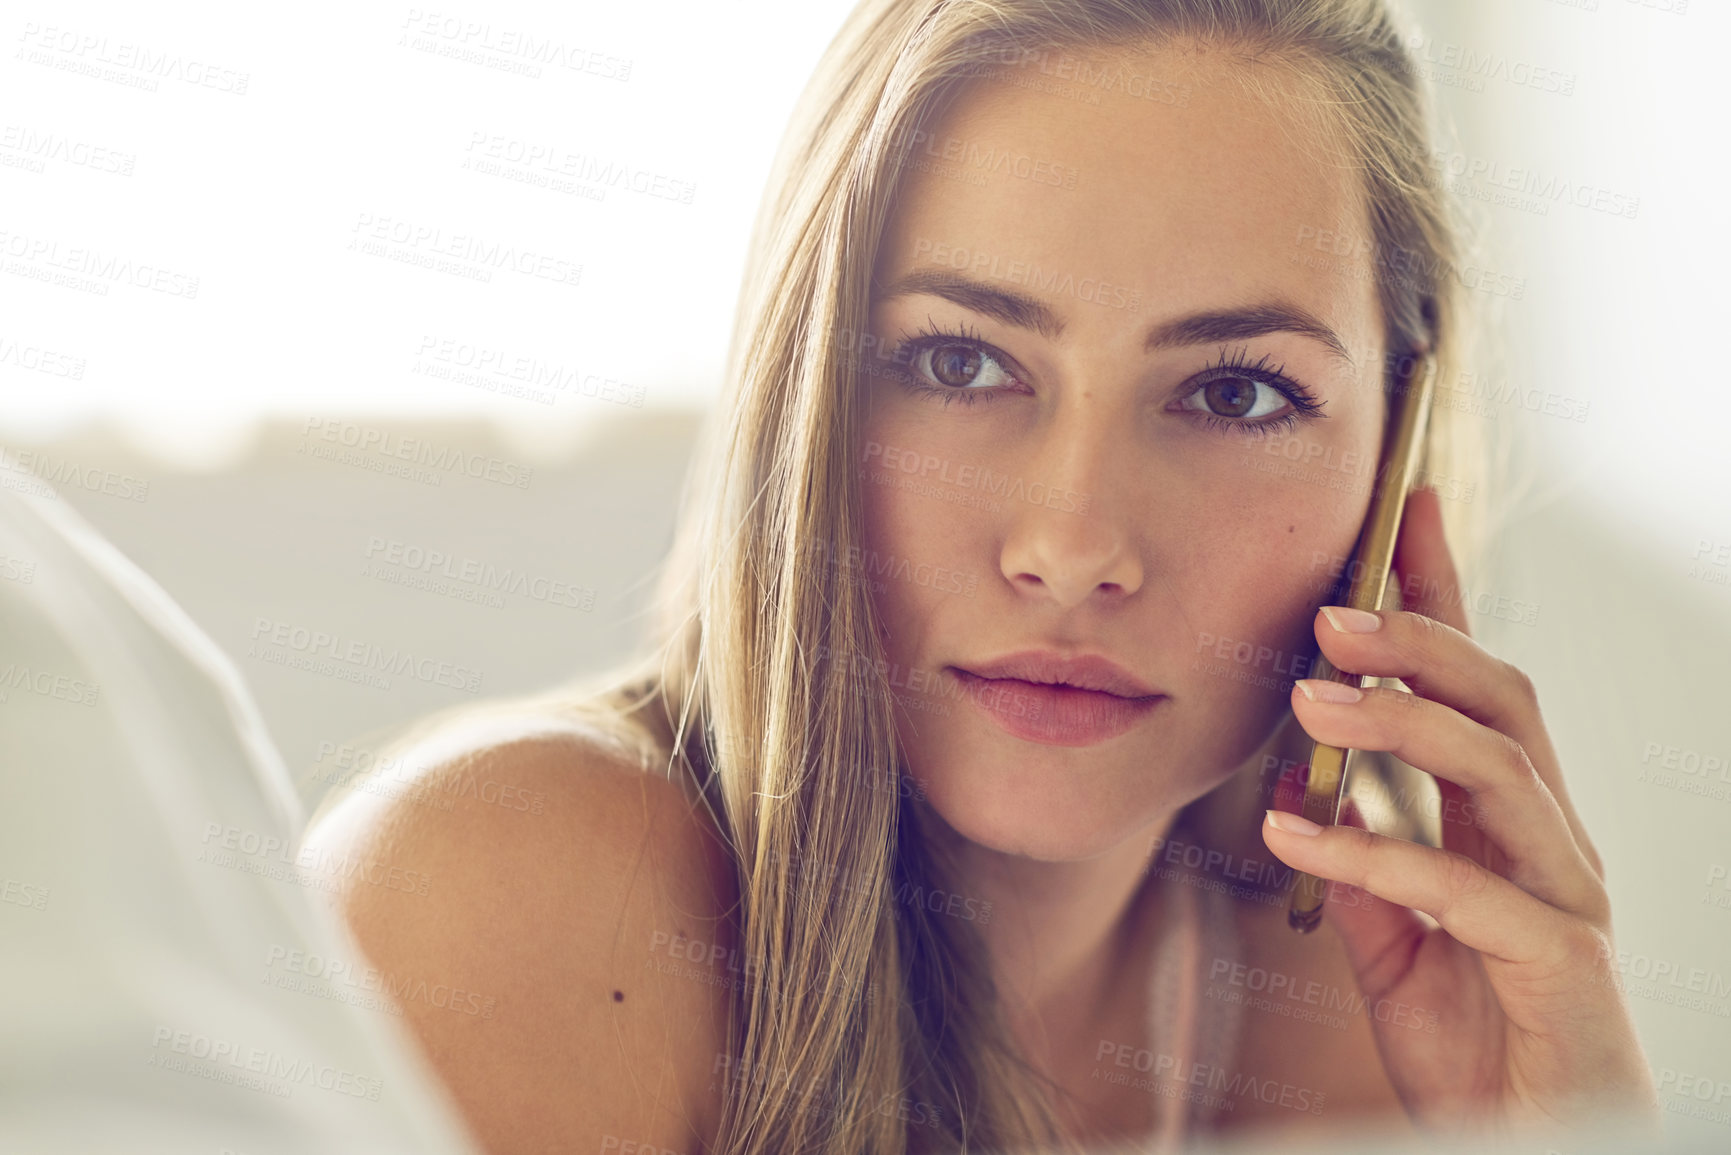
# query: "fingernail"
1292,823
1326,690
1351,621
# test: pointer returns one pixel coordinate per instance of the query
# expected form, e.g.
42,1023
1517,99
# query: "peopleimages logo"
47,683
63,473
1465,172
362,439
470,255
1049,282
466,577
295,645
923,468
1166,1075
1479,65
348,981
92,55
265,1064
38,255
34,149
479,41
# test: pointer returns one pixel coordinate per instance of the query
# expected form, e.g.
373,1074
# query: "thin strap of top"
1193,1036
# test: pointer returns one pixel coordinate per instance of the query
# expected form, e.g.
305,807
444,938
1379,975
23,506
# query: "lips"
1058,701
1083,672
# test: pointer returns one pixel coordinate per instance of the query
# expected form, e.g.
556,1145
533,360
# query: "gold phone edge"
1327,773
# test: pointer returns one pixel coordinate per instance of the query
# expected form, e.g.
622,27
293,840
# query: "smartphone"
1366,586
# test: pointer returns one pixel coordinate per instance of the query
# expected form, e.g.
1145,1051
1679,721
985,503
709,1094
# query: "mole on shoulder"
618,996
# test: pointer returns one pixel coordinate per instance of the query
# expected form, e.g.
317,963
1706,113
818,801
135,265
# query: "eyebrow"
1201,328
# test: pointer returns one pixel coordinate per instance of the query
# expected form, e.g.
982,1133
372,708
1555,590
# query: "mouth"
1056,701
1082,672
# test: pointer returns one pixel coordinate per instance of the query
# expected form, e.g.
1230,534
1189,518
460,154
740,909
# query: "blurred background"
259,263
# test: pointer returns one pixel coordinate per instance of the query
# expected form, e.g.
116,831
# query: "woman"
935,819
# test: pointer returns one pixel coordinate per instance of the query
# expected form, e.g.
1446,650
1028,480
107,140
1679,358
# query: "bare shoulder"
549,914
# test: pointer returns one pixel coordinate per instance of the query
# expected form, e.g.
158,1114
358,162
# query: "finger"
1438,661
1444,665
1510,802
1478,907
1430,586
1423,564
1379,937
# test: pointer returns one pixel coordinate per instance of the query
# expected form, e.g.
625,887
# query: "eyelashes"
914,353
935,348
1237,367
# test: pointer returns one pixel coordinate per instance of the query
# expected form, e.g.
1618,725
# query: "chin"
1050,809
1067,803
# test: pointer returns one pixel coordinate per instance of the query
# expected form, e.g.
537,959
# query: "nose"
1066,540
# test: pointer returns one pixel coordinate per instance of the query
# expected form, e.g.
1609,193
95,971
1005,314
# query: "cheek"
1257,581
923,537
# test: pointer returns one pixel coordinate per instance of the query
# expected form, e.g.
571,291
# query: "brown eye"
1250,399
1237,396
1231,396
955,365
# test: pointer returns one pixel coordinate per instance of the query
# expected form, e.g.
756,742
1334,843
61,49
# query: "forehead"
1152,169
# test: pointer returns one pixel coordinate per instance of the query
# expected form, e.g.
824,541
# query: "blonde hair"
764,686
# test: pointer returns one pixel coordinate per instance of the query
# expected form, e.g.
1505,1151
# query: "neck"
1062,933
1066,939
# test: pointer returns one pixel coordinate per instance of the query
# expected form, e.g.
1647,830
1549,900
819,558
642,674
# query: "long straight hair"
868,1025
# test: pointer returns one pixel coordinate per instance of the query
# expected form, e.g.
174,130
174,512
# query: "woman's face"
1145,432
